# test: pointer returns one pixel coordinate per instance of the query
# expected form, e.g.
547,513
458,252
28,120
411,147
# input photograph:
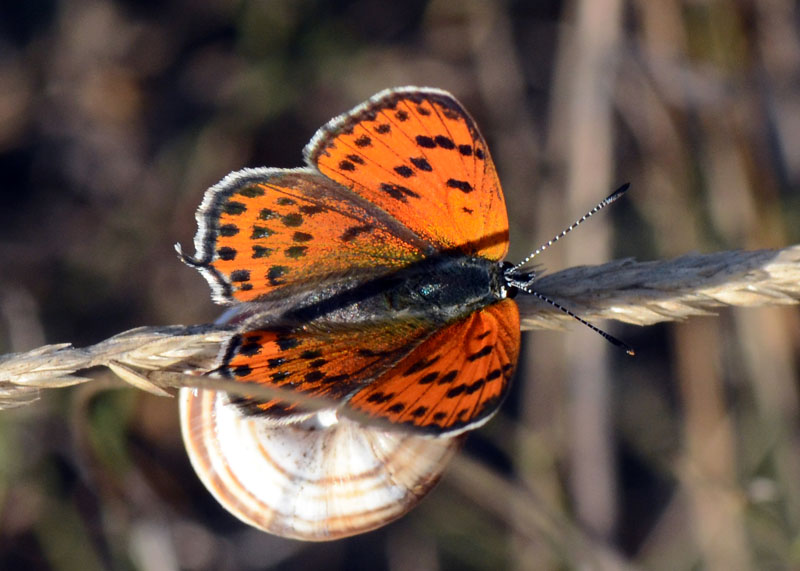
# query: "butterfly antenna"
608,200
524,284
607,336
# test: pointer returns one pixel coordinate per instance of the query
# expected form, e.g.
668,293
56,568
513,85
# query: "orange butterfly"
373,276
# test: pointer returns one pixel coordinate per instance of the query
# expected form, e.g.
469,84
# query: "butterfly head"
516,279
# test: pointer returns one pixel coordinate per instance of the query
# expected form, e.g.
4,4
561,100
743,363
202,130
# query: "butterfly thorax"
448,288
440,289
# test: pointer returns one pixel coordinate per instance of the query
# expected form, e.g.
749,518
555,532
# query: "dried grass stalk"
159,358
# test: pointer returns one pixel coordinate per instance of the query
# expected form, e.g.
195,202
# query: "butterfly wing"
418,155
267,231
329,362
406,174
452,382
440,381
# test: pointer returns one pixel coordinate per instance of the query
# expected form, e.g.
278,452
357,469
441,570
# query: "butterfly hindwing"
440,381
418,155
454,381
329,362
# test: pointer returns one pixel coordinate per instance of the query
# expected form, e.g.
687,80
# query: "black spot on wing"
428,379
279,376
482,352
421,163
234,208
379,397
240,276
445,142
475,387
228,230
261,252
251,191
292,220
274,275
286,343
456,391
447,378
226,253
494,374
295,252
404,171
461,185
242,371
398,192
449,111
312,209
249,349
261,232
314,376
420,365
425,142
354,231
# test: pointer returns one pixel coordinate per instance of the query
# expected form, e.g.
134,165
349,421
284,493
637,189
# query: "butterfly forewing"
262,230
418,155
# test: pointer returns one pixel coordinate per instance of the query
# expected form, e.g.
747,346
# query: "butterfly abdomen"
439,289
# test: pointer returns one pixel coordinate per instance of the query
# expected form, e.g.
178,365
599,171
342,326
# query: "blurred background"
116,116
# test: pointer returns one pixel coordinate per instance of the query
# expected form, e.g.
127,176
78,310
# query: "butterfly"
373,276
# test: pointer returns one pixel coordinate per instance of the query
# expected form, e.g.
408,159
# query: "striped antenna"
525,281
611,198
607,336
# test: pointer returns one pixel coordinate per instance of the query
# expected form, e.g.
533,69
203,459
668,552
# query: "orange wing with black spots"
329,363
454,381
403,176
418,155
444,382
265,230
